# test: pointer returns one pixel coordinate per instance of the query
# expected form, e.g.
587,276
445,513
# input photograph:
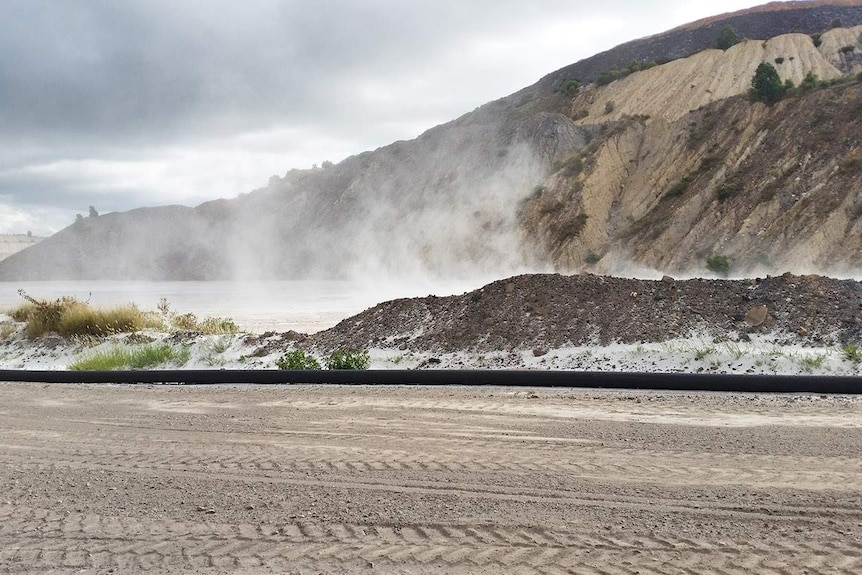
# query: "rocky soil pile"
552,311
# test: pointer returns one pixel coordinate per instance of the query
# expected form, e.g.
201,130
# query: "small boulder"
757,315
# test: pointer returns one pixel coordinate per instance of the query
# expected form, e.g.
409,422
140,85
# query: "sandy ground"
312,479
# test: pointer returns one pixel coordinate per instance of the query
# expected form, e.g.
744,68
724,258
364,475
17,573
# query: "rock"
539,352
757,315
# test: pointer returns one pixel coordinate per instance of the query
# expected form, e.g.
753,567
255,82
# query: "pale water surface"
304,306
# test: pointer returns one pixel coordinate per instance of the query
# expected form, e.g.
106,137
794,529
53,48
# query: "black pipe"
508,378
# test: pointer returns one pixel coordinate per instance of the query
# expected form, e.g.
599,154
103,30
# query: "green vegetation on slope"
145,357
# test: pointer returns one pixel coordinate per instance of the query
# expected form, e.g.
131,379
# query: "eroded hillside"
668,182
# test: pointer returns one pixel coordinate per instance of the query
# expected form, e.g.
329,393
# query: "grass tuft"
190,322
69,316
140,358
852,353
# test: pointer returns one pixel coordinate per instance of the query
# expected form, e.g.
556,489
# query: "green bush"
297,360
719,264
816,38
572,86
766,86
592,258
727,37
348,359
809,82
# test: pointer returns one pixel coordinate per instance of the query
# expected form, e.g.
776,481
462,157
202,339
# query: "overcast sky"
128,103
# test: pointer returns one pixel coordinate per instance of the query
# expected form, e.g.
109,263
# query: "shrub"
592,258
297,360
847,49
766,86
608,76
809,82
348,359
719,264
573,227
573,166
859,77
816,38
727,191
609,106
726,38
678,188
69,317
779,60
572,86
141,358
190,322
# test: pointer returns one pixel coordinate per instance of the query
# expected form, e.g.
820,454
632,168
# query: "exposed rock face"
772,188
659,169
671,91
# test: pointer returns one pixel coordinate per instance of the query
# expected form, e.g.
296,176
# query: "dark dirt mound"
551,311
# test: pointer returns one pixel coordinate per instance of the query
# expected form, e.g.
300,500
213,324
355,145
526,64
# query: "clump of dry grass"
7,328
71,317
190,322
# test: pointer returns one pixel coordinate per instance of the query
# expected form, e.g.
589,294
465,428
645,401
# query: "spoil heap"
554,311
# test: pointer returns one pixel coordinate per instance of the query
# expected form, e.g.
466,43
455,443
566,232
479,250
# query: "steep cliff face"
661,168
771,188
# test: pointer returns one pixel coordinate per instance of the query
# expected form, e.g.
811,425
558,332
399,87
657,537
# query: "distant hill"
647,155
14,243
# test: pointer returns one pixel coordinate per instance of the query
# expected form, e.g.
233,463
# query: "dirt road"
99,479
